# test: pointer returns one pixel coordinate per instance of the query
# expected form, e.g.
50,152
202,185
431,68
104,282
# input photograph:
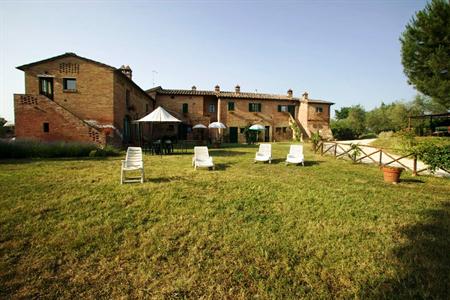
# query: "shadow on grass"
227,153
222,167
310,163
423,261
164,179
411,181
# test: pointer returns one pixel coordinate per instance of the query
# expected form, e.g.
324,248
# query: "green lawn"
68,229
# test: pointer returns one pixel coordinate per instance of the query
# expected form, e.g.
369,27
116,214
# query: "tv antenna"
154,72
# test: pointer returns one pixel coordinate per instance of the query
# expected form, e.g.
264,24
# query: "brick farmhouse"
72,98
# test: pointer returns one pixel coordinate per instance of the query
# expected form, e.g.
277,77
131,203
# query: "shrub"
35,149
385,134
342,130
434,155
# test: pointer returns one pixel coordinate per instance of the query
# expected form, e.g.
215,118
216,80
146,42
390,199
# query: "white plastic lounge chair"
201,158
264,153
295,155
132,162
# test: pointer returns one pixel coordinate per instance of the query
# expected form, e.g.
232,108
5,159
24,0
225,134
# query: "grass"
331,229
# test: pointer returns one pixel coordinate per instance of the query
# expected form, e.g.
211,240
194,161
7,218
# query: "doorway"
46,87
267,134
233,134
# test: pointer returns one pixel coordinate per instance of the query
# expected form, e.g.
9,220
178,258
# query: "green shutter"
279,108
250,107
259,107
185,108
231,106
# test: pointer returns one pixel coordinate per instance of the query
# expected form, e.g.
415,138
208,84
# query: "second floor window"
319,109
282,108
185,108
46,87
230,106
254,107
212,108
69,84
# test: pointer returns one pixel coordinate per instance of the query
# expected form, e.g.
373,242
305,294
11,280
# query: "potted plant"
392,174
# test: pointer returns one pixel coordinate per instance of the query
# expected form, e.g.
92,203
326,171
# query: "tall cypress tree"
426,51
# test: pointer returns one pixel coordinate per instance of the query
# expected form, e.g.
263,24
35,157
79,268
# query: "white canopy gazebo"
159,115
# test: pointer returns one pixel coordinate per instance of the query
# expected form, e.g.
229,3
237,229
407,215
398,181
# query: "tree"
426,51
2,129
342,113
357,119
377,120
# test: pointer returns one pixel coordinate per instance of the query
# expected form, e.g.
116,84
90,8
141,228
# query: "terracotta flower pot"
392,174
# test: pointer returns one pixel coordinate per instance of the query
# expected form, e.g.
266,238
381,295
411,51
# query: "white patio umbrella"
159,115
199,126
217,125
257,127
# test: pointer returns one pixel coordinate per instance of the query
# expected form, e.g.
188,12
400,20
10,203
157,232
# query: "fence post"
335,149
414,173
321,148
381,157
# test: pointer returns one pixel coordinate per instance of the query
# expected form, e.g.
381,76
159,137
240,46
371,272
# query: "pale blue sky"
347,52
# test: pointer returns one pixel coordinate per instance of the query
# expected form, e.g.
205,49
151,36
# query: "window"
212,108
282,108
46,127
319,109
254,107
278,129
230,106
69,84
185,108
242,130
127,98
46,87
284,129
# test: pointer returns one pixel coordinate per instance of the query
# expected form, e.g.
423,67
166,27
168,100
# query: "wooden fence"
357,154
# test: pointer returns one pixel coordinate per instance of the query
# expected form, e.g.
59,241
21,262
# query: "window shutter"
250,107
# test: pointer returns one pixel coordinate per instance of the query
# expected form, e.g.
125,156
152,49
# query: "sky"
347,52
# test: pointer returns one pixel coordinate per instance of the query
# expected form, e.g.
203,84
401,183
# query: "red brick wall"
32,111
93,99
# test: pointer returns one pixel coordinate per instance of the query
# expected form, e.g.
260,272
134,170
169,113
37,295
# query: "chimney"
126,70
237,89
289,93
305,96
194,88
217,88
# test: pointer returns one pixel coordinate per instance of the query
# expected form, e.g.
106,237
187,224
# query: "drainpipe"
218,114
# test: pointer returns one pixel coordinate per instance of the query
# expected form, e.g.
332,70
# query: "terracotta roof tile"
226,94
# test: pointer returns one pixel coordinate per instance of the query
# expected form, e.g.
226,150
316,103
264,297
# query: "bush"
434,155
35,149
342,130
